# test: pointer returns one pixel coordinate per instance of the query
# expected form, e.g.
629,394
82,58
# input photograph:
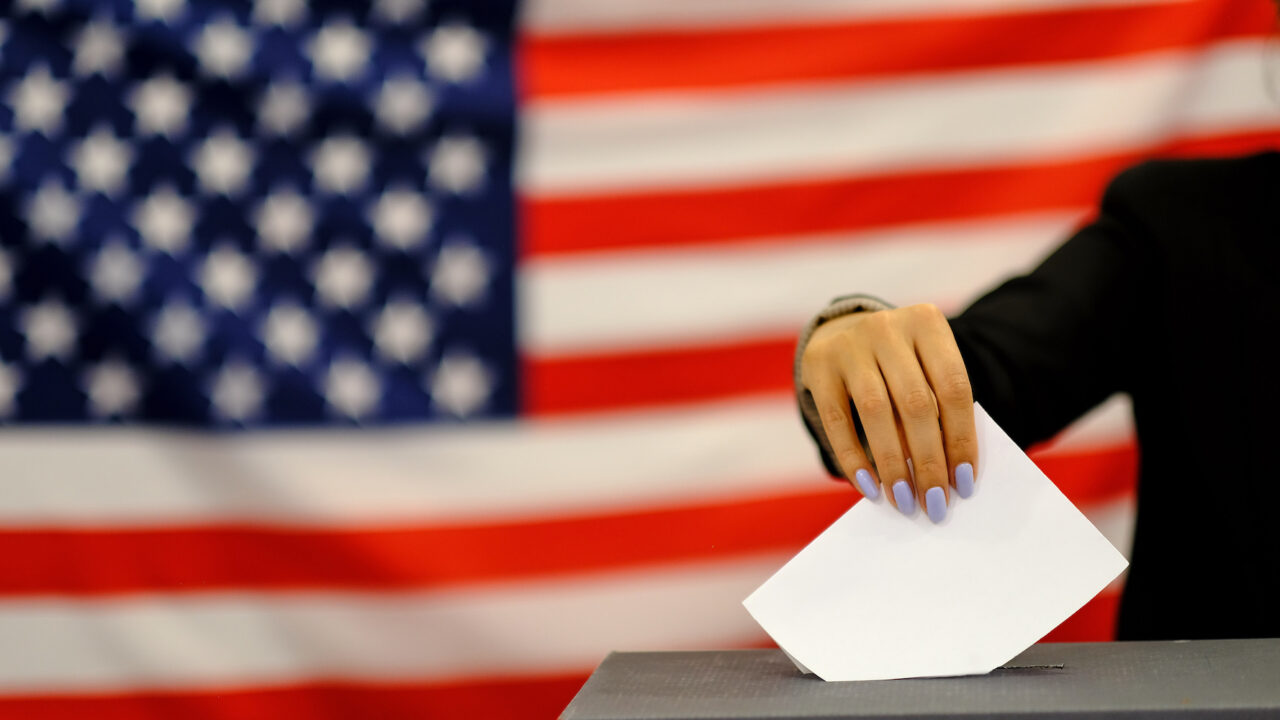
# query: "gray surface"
1200,679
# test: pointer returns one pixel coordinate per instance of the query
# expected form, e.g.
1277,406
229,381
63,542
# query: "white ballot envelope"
879,595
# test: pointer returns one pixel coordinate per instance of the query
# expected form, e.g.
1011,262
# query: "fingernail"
904,497
935,503
866,484
964,479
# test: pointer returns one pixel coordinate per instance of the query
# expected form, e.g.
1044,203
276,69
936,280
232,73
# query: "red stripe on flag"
657,377
558,66
88,562
764,213
496,698
41,561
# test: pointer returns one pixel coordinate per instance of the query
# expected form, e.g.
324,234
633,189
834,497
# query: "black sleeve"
1044,348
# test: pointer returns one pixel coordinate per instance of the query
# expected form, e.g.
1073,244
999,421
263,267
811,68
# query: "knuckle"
890,461
816,369
849,460
815,354
917,404
963,445
930,468
954,388
833,417
865,386
842,345
822,352
874,405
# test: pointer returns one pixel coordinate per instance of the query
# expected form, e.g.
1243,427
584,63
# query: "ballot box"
1180,680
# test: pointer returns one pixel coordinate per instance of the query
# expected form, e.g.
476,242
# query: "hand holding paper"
879,596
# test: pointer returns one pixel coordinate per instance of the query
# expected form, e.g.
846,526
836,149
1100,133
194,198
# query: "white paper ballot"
879,596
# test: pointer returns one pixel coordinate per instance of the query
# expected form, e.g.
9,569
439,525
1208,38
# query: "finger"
944,368
871,399
914,401
832,401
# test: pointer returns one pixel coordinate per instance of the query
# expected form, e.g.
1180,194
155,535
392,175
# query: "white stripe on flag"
109,477
565,16
612,301
228,639
733,137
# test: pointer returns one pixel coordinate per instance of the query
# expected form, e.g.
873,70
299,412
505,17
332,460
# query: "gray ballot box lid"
1181,679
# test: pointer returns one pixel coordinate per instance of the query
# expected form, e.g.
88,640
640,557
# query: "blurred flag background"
403,358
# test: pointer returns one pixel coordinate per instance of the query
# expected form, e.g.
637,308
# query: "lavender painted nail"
964,479
904,497
935,503
866,484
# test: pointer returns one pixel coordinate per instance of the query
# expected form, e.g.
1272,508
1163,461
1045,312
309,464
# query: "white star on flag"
454,52
38,102
164,220
228,277
289,334
460,385
112,388
457,164
343,277
339,51
160,106
99,49
101,161
398,11
53,213
351,388
44,7
285,13
283,108
402,332
341,164
222,163
284,221
403,104
237,392
401,219
115,272
178,333
165,11
223,49
49,329
461,273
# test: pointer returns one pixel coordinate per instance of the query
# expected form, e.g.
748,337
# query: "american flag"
403,358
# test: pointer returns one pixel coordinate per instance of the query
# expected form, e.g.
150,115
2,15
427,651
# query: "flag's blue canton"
250,213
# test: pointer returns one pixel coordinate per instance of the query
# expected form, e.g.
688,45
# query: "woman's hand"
904,374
